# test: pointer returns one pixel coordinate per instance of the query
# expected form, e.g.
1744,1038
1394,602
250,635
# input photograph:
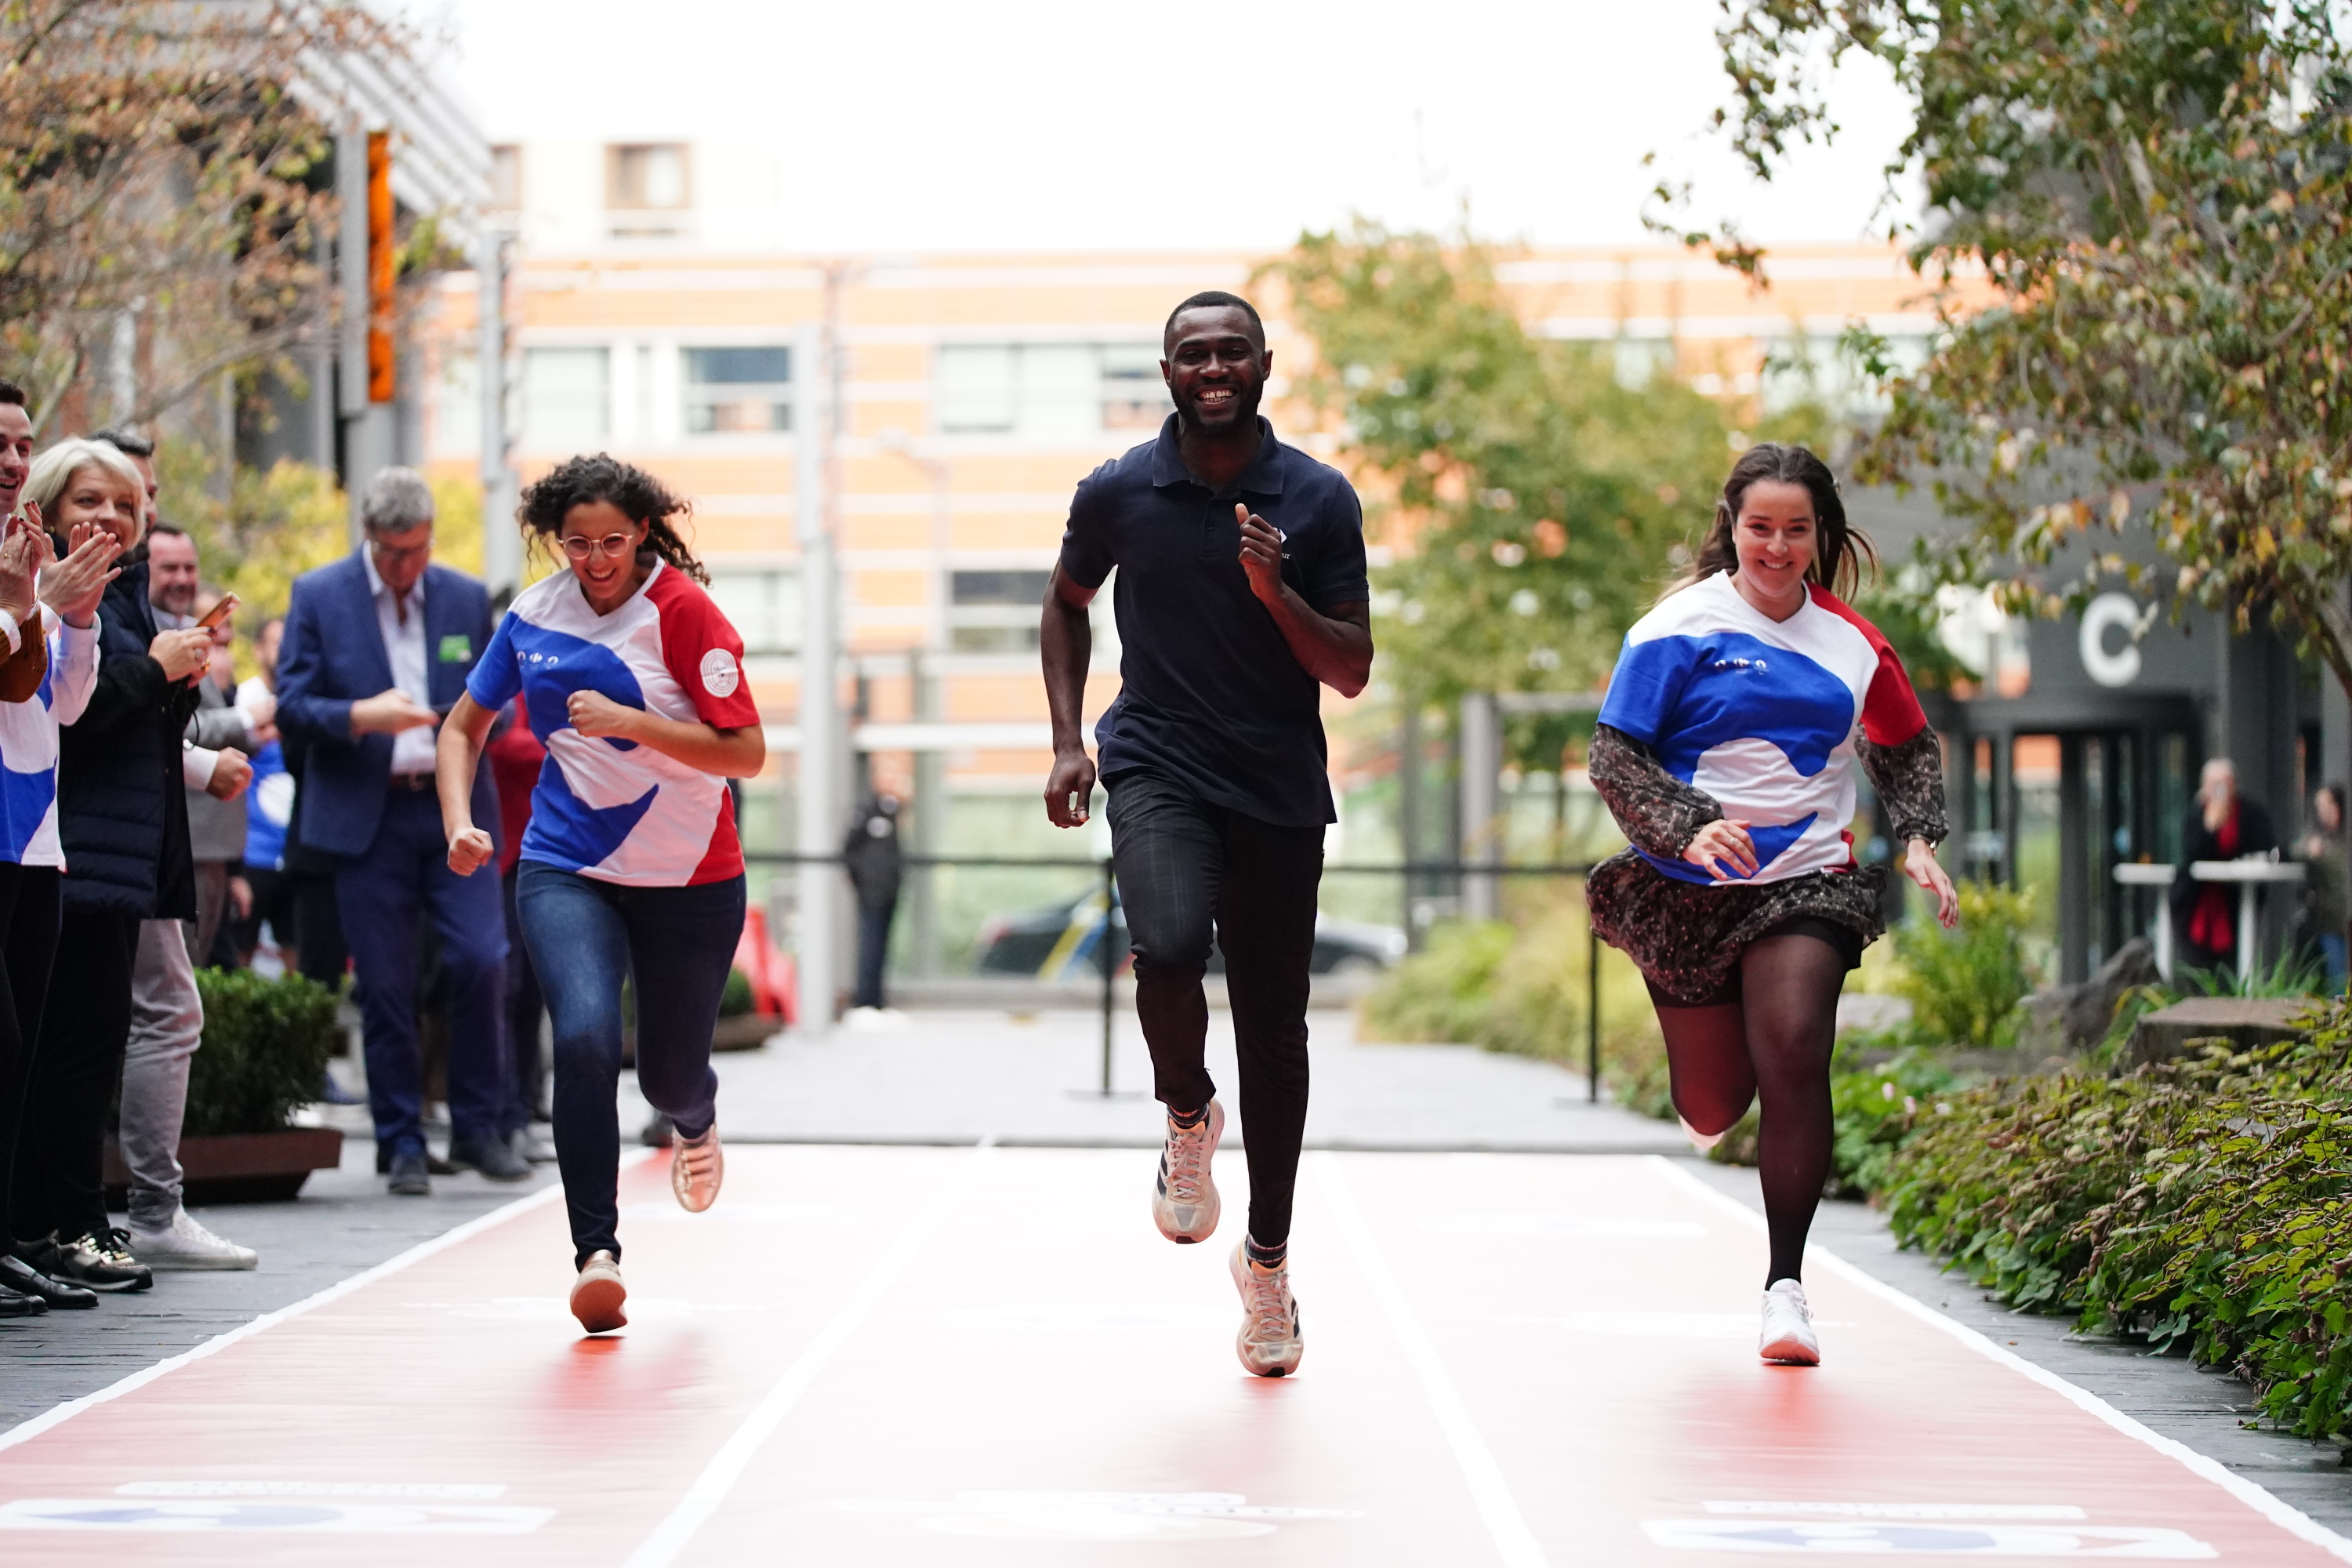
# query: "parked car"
1063,940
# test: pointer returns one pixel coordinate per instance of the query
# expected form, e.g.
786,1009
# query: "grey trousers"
167,1022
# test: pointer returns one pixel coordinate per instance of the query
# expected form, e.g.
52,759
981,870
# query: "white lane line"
1497,1509
2284,1514
25,1432
734,1456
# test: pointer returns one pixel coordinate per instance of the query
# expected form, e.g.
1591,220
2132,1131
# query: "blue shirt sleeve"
1647,685
497,674
1086,556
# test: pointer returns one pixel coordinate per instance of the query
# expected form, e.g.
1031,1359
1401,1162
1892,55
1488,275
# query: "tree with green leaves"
2157,196
1543,497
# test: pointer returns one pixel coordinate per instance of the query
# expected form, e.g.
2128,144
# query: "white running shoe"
185,1246
1183,1199
697,1166
1700,1142
1788,1333
1271,1341
598,1295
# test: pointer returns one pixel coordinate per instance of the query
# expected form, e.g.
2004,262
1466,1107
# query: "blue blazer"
333,654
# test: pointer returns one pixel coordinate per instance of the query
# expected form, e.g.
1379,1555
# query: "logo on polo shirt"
720,674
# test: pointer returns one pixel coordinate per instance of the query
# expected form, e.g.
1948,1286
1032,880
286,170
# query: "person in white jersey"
1726,750
631,865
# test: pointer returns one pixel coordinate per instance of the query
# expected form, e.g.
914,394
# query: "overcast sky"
1099,124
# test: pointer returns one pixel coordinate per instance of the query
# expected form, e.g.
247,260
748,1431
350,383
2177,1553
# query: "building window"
734,390
1045,390
566,399
647,177
506,178
764,608
994,611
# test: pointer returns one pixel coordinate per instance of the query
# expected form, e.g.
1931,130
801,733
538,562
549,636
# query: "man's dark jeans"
676,945
383,898
1188,869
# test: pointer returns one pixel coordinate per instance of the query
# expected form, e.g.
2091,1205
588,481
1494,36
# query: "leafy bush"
2200,1203
737,999
1965,984
1522,989
264,1051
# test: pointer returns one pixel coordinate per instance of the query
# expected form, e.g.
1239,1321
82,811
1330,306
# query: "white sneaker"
1700,1142
598,1295
1184,1203
1271,1342
697,1166
187,1245
1788,1333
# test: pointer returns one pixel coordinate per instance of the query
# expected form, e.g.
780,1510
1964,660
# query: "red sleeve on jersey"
1890,710
704,654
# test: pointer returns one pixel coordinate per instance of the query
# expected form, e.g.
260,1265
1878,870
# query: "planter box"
2243,1021
744,1032
241,1168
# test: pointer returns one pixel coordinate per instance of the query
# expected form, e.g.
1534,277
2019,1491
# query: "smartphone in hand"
211,619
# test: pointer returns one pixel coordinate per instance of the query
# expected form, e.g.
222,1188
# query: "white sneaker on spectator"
187,1245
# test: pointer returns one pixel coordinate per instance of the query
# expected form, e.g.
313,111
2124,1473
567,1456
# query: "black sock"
1188,1120
1266,1256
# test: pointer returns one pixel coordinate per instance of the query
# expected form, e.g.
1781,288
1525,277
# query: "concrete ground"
962,1077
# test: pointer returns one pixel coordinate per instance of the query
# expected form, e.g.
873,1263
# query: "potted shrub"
264,1056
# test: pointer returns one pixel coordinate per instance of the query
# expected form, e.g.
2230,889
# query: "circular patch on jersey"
721,673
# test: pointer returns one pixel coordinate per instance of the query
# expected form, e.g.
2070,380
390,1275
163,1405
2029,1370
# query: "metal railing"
1105,867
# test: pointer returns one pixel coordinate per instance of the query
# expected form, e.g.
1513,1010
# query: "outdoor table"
2135,874
2249,874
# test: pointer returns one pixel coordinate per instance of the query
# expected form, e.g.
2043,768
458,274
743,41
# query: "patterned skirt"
1686,936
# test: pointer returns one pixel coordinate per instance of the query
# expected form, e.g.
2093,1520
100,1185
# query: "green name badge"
457,648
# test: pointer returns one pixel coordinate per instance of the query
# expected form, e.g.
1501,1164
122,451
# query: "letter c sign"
2111,612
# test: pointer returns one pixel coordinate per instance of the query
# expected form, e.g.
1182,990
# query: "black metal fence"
1107,962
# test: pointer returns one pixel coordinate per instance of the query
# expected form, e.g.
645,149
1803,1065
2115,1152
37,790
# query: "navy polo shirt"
1211,693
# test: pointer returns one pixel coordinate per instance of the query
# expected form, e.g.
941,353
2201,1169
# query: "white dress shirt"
403,645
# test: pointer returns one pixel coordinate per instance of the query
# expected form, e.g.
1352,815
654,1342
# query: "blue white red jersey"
611,809
1760,714
28,744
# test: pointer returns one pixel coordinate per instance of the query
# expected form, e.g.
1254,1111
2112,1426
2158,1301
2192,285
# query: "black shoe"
409,1178
434,1164
21,1278
493,1157
101,1261
529,1149
17,1304
658,1133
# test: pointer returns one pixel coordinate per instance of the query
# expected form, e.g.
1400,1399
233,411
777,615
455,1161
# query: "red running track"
888,1356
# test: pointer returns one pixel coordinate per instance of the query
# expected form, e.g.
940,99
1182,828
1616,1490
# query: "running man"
1241,589
631,865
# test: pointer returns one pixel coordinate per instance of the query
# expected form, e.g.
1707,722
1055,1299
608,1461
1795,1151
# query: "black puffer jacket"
122,809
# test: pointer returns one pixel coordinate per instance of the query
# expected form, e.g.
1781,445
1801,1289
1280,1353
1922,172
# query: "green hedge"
264,1051
2204,1203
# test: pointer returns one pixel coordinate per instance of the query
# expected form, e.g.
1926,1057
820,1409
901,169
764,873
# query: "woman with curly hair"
631,867
1726,750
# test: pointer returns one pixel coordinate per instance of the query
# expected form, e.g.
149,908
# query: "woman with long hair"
58,645
631,867
1725,749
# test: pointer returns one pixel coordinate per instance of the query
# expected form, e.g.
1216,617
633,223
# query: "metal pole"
819,696
501,540
1591,1012
1109,971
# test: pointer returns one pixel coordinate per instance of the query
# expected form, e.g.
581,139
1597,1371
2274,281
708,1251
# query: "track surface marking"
885,1356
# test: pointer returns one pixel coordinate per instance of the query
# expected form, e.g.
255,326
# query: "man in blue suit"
377,647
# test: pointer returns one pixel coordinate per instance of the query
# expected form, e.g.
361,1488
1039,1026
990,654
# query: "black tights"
1773,1040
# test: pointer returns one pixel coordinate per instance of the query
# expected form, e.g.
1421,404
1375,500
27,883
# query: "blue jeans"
383,898
677,944
2331,954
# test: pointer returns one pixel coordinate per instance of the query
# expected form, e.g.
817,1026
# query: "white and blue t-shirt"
611,809
28,744
1760,714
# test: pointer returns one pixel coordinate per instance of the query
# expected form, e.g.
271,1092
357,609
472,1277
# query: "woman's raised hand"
1723,850
74,585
